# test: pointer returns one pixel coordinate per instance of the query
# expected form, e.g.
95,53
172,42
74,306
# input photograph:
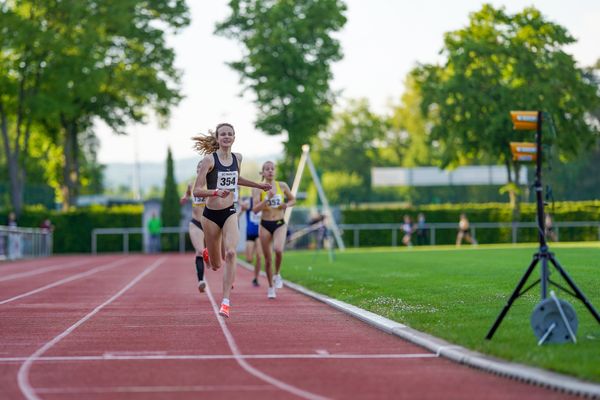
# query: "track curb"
459,354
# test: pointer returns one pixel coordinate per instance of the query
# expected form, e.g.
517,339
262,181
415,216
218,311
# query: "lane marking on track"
67,280
44,269
249,368
155,389
23,375
154,357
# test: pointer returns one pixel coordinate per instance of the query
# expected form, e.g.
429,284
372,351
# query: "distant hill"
153,174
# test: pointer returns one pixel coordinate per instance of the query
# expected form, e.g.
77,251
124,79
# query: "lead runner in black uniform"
219,171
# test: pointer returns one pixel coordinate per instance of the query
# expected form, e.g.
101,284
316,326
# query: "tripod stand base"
548,324
542,255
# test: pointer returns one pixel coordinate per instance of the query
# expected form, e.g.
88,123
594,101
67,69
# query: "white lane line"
68,279
150,357
154,389
44,269
249,368
23,375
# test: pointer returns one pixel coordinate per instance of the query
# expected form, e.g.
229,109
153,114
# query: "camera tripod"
543,254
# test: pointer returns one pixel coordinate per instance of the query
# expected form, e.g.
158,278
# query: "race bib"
276,201
227,180
198,201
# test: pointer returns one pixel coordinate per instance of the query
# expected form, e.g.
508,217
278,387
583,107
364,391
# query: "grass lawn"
456,294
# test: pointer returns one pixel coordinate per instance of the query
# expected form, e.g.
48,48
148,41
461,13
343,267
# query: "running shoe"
201,286
255,282
224,311
205,255
271,293
278,281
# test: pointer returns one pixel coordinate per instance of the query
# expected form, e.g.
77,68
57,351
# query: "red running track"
135,327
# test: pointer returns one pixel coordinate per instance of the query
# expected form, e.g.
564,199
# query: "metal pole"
540,208
297,179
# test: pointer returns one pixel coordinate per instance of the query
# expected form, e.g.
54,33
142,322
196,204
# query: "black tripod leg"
513,297
571,283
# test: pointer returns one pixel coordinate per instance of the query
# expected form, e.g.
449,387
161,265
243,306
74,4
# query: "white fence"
17,243
432,230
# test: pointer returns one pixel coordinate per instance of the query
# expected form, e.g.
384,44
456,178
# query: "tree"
67,63
287,64
408,138
352,144
170,212
498,63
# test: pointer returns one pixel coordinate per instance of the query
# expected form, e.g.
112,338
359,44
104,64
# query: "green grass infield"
457,293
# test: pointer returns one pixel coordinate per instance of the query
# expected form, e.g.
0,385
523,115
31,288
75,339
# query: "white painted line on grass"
67,280
249,368
23,375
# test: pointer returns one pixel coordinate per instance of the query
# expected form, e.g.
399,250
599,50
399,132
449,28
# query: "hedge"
73,229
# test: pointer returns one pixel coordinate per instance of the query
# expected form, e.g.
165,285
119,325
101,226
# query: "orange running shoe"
224,311
205,255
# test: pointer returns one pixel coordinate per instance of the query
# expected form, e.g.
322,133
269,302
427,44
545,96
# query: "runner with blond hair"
219,171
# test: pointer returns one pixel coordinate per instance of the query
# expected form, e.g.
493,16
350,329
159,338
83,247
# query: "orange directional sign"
524,120
523,151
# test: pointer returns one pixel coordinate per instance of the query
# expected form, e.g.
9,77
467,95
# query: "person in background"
549,231
253,247
154,227
421,231
464,231
47,228
408,229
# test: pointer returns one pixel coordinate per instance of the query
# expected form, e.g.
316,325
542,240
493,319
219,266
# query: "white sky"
381,42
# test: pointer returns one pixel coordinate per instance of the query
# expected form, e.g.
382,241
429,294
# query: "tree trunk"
70,165
12,160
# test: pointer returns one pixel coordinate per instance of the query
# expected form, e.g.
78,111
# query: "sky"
381,42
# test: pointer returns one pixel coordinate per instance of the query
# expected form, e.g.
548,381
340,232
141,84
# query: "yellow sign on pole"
524,120
523,151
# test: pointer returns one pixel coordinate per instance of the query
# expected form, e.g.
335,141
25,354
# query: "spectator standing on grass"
421,230
407,228
549,231
154,227
464,231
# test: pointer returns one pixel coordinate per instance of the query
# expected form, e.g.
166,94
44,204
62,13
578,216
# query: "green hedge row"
486,212
73,229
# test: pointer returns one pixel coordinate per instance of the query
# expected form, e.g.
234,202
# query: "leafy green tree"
502,62
352,144
67,63
170,212
289,50
408,138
